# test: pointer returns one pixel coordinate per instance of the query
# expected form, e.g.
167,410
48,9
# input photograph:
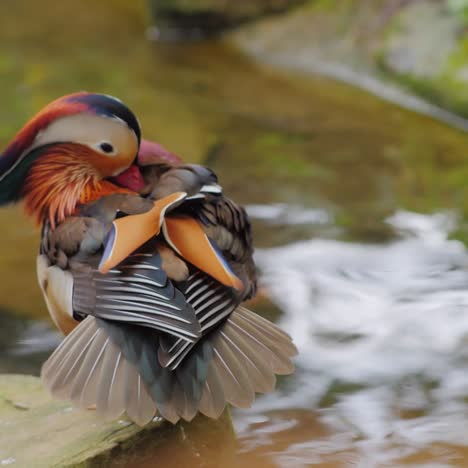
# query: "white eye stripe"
115,118
86,129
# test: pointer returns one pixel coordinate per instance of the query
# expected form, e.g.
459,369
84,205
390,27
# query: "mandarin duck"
143,264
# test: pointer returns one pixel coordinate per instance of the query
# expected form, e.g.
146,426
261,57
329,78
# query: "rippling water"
382,331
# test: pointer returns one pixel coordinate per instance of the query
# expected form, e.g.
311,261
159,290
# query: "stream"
360,213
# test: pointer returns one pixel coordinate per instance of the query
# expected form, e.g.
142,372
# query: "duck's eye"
106,147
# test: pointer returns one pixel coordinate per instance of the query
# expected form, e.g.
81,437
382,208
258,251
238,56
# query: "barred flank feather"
115,368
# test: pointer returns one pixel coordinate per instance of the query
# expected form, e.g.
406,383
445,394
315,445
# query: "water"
382,331
360,214
25,344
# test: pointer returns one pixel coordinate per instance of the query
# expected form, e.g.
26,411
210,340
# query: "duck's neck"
59,181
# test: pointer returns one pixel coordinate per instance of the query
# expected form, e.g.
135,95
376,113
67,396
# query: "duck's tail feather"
89,369
248,351
116,368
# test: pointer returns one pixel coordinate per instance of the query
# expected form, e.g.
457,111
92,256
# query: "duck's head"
64,154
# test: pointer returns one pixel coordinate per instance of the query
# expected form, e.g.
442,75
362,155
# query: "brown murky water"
357,206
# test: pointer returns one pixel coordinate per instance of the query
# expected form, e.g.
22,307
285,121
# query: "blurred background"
340,125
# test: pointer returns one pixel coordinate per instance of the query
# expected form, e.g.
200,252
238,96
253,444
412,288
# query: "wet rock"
422,40
425,50
36,431
195,19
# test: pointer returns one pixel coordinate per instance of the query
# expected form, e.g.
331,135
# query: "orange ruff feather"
60,180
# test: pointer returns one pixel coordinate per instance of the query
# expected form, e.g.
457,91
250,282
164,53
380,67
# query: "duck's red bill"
131,178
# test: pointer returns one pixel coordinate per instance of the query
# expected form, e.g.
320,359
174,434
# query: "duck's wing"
138,291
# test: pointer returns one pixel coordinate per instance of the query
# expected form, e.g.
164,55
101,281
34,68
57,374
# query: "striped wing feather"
138,292
212,303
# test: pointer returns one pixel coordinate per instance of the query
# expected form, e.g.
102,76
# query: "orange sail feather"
131,232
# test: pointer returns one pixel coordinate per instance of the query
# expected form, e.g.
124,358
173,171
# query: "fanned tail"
116,368
89,369
248,351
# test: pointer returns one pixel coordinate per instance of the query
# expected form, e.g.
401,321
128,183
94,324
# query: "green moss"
445,90
460,8
453,80
77,438
330,6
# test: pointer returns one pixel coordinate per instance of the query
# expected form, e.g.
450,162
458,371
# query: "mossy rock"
420,46
36,431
